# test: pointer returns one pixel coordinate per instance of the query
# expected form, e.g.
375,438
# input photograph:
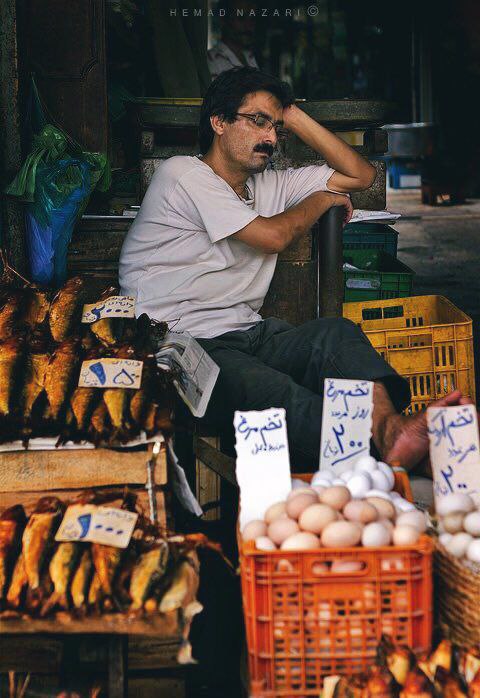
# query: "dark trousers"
275,364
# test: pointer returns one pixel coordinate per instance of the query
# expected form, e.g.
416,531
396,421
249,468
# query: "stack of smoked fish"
40,577
447,672
42,346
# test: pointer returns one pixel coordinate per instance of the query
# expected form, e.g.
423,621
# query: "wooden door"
64,46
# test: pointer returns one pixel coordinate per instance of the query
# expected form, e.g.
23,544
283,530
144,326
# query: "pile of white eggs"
459,526
357,508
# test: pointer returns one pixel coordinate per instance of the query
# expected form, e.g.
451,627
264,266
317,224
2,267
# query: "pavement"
441,245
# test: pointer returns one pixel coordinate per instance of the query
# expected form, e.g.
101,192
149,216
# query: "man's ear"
218,124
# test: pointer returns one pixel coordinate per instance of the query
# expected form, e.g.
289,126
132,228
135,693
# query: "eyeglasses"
265,123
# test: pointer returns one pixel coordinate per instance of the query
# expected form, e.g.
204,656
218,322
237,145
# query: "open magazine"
195,373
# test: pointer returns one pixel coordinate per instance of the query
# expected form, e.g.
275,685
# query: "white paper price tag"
346,423
263,461
111,373
91,524
113,307
454,450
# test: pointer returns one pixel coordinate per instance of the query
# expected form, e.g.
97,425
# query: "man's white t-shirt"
179,259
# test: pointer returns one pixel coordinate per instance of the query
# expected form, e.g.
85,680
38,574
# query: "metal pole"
330,263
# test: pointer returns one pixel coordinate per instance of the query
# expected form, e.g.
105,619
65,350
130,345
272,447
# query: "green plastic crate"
370,236
380,276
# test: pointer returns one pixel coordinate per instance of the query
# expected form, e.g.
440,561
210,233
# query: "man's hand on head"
292,116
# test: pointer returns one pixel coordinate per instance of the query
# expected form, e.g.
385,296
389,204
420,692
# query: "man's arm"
274,234
352,171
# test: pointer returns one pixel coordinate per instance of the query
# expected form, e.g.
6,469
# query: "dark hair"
227,92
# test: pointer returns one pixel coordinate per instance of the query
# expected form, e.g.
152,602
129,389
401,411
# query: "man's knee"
336,330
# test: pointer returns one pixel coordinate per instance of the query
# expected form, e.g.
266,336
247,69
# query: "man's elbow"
367,180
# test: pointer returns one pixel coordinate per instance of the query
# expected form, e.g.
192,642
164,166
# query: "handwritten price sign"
88,523
263,462
454,450
346,423
111,373
113,307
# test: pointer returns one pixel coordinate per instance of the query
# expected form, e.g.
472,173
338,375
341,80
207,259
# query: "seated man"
203,249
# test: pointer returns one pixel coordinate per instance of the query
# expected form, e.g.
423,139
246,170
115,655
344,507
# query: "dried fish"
66,308
184,586
141,399
12,523
38,536
61,372
10,356
83,401
81,580
474,687
95,593
380,683
18,583
417,685
106,559
100,423
61,569
11,306
34,374
149,569
37,306
107,330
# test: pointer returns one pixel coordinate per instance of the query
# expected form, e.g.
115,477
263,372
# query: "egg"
302,490
413,518
358,510
402,505
453,523
323,476
347,474
458,544
301,501
280,529
376,535
346,566
388,472
254,529
454,502
338,481
405,535
315,517
385,509
359,484
445,538
473,551
336,497
301,541
395,495
264,543
380,481
341,534
387,523
275,511
471,523
320,568
365,464
379,493
319,488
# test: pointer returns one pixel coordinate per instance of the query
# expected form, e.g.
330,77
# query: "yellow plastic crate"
426,339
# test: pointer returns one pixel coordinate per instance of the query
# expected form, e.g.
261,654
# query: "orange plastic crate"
303,624
427,339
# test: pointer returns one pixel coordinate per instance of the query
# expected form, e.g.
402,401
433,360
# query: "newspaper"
362,216
195,372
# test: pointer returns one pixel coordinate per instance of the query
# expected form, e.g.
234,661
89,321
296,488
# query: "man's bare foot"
405,438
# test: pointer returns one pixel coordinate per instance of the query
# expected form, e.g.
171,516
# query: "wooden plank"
117,685
149,653
28,654
292,295
30,499
157,687
208,483
163,625
70,469
216,460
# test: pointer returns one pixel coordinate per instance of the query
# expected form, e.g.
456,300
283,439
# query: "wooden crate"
25,476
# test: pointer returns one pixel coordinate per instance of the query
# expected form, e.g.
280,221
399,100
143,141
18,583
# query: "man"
202,252
238,35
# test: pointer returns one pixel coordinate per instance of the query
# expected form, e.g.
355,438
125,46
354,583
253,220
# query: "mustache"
264,148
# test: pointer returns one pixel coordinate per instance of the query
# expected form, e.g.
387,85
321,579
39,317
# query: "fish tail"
55,600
